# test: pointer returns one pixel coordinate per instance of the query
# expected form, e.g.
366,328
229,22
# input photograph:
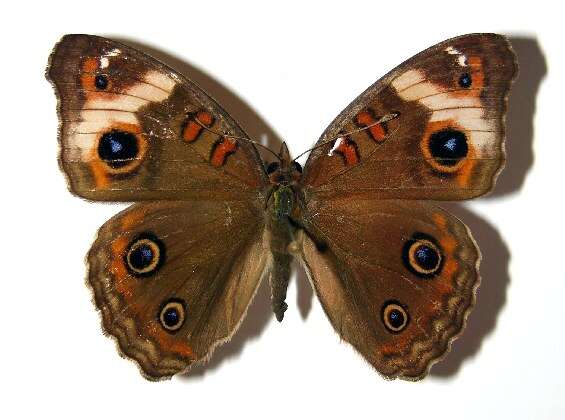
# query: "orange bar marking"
222,150
366,118
348,149
192,129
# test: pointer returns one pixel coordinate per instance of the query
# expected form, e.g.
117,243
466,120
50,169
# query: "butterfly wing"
400,291
446,142
397,277
131,129
174,279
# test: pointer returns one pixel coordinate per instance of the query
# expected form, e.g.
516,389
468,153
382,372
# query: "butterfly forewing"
133,129
446,142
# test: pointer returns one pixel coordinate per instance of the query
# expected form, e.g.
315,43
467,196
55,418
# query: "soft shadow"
491,295
521,112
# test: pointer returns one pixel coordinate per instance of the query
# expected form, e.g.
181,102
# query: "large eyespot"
422,256
118,148
448,148
465,80
394,316
145,255
272,167
101,81
172,314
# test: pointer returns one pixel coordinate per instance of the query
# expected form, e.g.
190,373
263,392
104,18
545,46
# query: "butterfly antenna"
201,124
384,119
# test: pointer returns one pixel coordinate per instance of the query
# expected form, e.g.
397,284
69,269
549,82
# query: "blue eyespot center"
448,147
118,148
394,316
422,255
426,257
465,80
172,315
145,255
101,82
141,257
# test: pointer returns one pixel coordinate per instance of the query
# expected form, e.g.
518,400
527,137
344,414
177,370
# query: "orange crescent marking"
464,175
399,346
222,150
88,68
168,341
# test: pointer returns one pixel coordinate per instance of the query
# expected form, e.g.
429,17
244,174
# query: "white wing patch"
465,110
104,110
461,59
336,146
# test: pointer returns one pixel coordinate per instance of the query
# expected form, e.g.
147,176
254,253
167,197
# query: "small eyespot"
145,255
394,316
101,81
272,167
172,315
422,256
448,147
118,148
297,166
465,80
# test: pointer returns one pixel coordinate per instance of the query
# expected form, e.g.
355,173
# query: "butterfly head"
285,171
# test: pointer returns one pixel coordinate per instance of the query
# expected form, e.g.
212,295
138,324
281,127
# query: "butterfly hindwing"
446,140
400,291
174,279
131,128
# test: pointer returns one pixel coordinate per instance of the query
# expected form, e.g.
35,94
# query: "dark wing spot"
118,148
465,80
448,147
172,314
422,255
394,316
145,255
101,81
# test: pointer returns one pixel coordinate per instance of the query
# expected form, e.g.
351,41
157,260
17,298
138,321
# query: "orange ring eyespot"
121,151
448,149
394,317
422,256
172,315
145,255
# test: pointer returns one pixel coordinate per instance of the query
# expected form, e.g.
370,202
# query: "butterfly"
174,274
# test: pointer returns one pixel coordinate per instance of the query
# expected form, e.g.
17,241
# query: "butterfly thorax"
284,175
282,209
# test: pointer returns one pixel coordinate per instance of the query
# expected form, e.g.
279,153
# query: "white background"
285,71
